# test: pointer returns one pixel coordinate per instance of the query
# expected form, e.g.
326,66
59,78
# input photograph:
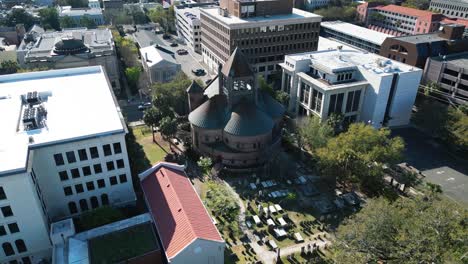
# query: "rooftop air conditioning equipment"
30,118
33,98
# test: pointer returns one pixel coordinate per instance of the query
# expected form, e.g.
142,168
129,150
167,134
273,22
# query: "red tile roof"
178,212
457,21
409,11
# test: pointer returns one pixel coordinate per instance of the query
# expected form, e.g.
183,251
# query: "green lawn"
153,152
120,246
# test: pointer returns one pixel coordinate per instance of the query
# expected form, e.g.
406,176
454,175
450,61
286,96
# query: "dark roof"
194,88
212,114
70,46
247,120
237,65
269,105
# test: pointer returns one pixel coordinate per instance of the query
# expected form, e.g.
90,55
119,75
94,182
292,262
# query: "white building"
7,51
159,65
62,152
359,37
314,4
94,4
188,26
359,85
78,13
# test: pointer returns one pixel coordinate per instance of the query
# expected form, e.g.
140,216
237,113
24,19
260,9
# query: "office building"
361,86
359,37
188,26
238,125
263,30
77,14
63,153
184,226
399,21
450,8
450,73
415,49
70,48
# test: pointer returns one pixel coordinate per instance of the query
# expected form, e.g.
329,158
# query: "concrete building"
450,8
112,4
92,246
314,4
13,35
238,125
184,226
70,48
359,37
7,51
398,20
450,73
263,30
63,152
414,50
188,26
159,65
361,86
77,14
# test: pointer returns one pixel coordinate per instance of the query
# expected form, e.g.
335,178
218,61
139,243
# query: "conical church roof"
237,65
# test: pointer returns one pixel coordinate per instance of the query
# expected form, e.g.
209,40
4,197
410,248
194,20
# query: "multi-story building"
359,37
362,10
415,49
112,4
77,14
314,4
450,73
94,4
399,20
263,30
450,8
360,86
63,152
188,26
70,48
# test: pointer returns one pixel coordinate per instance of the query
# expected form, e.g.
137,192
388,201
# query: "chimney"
146,56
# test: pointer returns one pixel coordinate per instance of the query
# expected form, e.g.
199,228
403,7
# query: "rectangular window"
94,152
110,166
101,183
71,157
82,154
67,190
58,159
2,231
97,168
117,148
107,150
2,194
357,97
13,227
123,178
113,180
120,163
63,175
90,186
6,211
75,173
86,170
79,188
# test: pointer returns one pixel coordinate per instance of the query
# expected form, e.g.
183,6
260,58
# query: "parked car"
144,106
173,44
208,81
182,51
198,72
166,36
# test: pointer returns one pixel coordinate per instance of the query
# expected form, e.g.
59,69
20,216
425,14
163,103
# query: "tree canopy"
165,18
358,154
87,21
19,16
66,22
49,18
420,230
314,133
418,4
173,94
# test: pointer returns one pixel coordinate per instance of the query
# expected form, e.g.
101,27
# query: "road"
436,163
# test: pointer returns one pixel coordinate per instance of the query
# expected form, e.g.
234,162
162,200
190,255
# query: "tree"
165,18
358,154
428,229
139,17
168,128
152,117
345,13
205,164
49,18
173,94
314,133
19,16
87,22
133,75
282,97
457,127
418,4
8,67
67,22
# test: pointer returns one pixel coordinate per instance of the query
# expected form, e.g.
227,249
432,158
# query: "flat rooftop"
297,16
69,11
358,32
458,59
79,103
421,38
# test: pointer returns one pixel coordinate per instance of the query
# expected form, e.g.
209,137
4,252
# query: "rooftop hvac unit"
30,118
33,98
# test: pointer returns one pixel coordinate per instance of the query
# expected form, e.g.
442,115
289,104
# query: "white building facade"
159,66
77,14
360,86
61,158
188,26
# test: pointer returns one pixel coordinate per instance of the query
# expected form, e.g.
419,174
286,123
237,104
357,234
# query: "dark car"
144,106
173,44
182,51
208,81
198,72
166,36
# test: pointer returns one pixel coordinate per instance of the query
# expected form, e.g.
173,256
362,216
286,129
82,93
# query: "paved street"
436,163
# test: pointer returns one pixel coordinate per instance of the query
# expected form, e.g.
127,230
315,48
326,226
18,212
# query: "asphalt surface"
436,163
